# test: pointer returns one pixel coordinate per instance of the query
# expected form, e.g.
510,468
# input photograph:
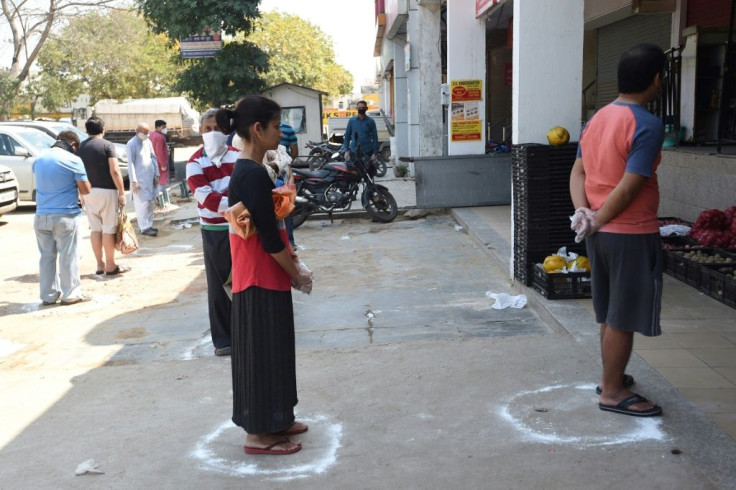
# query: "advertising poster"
466,90
465,123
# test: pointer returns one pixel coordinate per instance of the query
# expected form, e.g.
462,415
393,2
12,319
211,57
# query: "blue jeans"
58,236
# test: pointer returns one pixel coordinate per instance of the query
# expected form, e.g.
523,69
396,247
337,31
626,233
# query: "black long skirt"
263,364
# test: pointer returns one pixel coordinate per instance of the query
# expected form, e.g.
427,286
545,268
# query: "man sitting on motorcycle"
367,135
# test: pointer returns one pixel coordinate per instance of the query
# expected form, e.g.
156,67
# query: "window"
296,117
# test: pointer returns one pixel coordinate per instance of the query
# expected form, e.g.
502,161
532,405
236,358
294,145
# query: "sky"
351,24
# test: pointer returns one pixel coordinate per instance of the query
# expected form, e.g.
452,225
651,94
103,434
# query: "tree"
31,23
109,56
236,69
301,53
8,91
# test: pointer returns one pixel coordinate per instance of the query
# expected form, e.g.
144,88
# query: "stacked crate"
542,204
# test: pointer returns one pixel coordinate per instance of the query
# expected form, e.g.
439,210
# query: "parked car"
8,190
19,147
53,128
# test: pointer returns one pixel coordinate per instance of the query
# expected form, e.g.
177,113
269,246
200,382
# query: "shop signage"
466,90
204,45
465,123
482,6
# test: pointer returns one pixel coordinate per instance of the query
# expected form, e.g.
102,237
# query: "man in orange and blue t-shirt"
613,185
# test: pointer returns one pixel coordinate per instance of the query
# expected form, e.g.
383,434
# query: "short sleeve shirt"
288,136
623,138
95,152
57,172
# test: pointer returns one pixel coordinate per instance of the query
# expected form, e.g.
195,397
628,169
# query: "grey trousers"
58,237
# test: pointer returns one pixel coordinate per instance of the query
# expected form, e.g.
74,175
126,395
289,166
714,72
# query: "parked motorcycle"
322,153
335,186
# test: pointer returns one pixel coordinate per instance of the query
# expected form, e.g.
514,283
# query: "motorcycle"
335,186
322,153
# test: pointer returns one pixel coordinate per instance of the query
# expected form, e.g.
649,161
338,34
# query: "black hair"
159,123
249,110
638,66
68,137
362,102
94,126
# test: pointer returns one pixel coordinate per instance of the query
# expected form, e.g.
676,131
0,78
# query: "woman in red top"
263,357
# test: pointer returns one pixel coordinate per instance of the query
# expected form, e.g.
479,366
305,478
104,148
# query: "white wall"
466,60
547,64
290,96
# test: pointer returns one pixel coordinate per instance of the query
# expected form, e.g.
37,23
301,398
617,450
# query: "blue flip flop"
623,407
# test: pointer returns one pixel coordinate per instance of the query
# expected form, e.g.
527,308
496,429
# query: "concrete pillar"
401,100
424,80
466,60
547,69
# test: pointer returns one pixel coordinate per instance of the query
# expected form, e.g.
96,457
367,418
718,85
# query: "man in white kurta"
143,173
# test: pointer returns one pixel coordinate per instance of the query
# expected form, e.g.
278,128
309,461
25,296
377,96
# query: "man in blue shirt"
365,127
60,178
289,140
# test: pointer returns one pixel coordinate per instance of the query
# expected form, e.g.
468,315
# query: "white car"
8,190
19,148
53,128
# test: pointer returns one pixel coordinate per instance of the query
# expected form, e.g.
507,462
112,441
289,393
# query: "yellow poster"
468,130
466,90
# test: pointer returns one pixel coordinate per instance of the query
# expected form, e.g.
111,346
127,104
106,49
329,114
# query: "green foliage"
109,55
235,70
8,92
300,53
179,19
213,82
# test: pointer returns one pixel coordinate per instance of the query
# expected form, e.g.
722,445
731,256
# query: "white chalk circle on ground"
318,454
569,414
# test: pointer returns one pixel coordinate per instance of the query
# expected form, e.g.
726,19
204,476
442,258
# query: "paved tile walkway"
697,350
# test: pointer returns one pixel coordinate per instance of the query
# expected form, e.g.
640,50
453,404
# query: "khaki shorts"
101,206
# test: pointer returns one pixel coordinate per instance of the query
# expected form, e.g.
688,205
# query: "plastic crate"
687,270
557,285
716,284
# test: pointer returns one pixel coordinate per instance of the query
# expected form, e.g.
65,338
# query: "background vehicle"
19,147
53,129
8,190
336,127
122,118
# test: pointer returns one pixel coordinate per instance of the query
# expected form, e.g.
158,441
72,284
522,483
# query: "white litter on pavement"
325,453
459,228
345,237
504,300
7,347
90,466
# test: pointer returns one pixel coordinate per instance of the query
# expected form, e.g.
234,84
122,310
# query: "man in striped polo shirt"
208,177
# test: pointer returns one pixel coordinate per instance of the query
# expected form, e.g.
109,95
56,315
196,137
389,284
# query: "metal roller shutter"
616,38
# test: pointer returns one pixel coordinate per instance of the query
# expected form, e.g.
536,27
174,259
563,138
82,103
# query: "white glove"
584,223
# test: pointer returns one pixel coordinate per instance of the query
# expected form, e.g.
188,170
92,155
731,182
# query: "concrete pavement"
407,377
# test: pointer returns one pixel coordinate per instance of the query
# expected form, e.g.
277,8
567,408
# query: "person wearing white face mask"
158,140
208,177
144,174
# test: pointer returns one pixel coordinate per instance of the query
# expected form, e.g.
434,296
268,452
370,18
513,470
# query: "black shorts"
626,278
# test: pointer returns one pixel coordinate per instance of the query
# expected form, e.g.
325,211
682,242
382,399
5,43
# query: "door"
22,166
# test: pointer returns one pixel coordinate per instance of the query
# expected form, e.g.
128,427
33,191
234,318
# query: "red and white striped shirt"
209,185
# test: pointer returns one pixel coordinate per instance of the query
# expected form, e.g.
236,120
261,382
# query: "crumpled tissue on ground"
504,300
89,466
